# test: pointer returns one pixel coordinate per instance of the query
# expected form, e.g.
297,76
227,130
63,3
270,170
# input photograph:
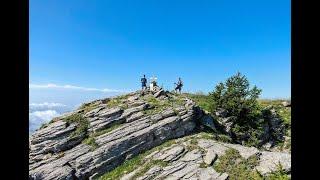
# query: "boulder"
210,157
133,98
194,155
269,162
158,93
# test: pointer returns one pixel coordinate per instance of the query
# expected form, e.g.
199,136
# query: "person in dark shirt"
178,85
144,82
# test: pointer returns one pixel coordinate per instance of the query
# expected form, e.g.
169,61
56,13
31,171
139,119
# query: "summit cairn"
155,89
153,83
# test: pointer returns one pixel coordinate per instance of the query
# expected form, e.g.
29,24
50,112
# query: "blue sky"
110,44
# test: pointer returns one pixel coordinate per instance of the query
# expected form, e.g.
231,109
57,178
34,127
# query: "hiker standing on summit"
144,82
178,85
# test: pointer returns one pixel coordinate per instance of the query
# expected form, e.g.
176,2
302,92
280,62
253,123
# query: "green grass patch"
114,103
283,112
104,131
44,125
151,100
86,107
148,166
158,106
82,123
163,145
193,141
60,154
91,142
223,138
288,145
203,165
200,99
175,102
279,174
152,111
91,139
133,163
155,102
273,102
127,167
206,135
118,101
192,147
215,136
237,167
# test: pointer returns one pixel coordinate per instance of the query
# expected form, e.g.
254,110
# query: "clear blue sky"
110,44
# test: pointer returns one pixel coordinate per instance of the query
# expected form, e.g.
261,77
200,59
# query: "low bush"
251,120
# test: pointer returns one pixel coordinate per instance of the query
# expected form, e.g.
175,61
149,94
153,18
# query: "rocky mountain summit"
103,135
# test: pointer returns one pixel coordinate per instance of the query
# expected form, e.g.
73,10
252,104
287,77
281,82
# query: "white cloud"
37,118
43,115
46,86
46,105
40,113
58,107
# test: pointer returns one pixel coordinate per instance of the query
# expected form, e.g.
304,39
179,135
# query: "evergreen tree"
236,97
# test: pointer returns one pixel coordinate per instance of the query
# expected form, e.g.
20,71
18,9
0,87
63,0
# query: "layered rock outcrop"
58,151
103,134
